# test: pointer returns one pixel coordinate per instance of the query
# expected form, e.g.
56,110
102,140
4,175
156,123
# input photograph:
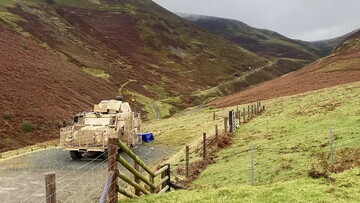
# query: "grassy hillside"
273,69
291,141
62,56
128,40
265,42
340,67
39,90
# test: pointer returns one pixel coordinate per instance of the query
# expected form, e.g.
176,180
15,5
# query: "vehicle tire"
105,155
75,155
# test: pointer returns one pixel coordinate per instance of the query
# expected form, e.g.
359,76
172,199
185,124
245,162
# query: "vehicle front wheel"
105,155
75,155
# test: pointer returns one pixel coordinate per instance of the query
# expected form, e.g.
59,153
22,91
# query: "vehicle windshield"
99,121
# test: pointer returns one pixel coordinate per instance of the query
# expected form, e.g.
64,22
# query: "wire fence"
198,157
71,190
262,155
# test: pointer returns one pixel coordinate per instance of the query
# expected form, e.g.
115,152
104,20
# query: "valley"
191,78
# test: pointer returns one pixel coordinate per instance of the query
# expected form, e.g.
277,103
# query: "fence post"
252,165
231,121
331,146
187,161
255,111
248,113
244,112
137,180
237,112
251,112
216,131
112,166
168,173
163,175
50,187
225,124
214,116
1,155
260,106
255,108
152,190
204,146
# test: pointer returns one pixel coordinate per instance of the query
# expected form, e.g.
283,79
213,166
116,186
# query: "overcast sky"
298,19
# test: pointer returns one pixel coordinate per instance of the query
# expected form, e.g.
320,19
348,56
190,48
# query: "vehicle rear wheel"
75,155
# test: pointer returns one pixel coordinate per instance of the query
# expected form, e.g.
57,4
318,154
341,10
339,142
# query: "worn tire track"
157,114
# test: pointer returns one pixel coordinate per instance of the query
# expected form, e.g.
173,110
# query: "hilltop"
327,46
264,42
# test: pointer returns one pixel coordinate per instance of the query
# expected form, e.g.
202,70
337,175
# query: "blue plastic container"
147,137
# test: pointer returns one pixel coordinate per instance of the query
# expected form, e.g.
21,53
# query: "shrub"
50,1
197,102
25,47
6,116
27,126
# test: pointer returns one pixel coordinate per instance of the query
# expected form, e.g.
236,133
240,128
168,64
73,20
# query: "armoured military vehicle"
89,131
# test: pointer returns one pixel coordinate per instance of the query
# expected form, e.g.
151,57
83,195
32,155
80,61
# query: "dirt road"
22,178
313,77
156,111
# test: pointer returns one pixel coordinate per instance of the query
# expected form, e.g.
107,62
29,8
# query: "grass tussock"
345,159
27,127
6,116
214,145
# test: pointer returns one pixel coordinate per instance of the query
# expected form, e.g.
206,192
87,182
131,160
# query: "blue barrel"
147,137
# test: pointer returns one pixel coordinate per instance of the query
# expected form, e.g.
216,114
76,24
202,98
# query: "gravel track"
22,178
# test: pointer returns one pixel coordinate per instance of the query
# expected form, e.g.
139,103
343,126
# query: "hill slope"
265,42
291,152
342,66
40,89
327,46
60,56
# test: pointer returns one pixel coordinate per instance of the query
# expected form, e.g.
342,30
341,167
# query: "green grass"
27,126
288,138
185,127
342,65
96,72
164,108
249,78
158,90
145,101
345,189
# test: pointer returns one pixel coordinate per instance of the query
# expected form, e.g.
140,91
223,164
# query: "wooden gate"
153,182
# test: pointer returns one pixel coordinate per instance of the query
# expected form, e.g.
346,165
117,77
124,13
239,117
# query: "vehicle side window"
75,119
